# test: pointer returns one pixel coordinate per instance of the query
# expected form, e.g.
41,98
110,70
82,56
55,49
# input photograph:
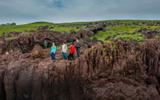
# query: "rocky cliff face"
118,70
27,78
125,71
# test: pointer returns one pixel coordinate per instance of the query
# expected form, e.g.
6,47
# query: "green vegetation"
34,26
123,32
64,28
115,29
21,28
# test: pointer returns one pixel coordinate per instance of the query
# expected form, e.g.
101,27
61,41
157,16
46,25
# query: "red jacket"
72,49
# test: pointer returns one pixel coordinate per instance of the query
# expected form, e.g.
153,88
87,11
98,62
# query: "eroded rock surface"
118,70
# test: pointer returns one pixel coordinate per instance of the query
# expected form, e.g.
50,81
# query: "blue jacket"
53,50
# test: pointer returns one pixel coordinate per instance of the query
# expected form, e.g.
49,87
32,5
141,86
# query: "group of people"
74,49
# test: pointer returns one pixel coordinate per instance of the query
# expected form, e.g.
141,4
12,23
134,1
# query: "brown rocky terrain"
26,41
115,71
149,32
111,71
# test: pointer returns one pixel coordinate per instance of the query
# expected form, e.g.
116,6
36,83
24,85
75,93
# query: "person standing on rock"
72,51
78,46
53,52
64,51
45,44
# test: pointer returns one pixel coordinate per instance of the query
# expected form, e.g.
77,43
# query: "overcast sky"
25,11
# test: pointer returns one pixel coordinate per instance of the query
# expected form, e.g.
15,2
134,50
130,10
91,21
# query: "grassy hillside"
115,29
21,28
126,30
33,26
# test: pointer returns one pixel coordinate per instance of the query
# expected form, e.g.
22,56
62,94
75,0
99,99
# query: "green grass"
21,28
123,32
34,26
65,29
133,37
116,29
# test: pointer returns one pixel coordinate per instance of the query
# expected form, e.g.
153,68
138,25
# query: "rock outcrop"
118,70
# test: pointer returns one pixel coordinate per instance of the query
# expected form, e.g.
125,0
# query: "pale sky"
26,11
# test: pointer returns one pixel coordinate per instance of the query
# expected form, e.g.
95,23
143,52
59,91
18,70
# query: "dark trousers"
71,56
65,56
78,52
53,56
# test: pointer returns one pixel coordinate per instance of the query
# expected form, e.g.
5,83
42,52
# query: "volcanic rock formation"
118,70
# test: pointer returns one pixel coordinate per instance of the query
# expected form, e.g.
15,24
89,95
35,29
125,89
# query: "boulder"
37,52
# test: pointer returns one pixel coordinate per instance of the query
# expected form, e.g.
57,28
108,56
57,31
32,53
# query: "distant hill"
22,28
63,27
